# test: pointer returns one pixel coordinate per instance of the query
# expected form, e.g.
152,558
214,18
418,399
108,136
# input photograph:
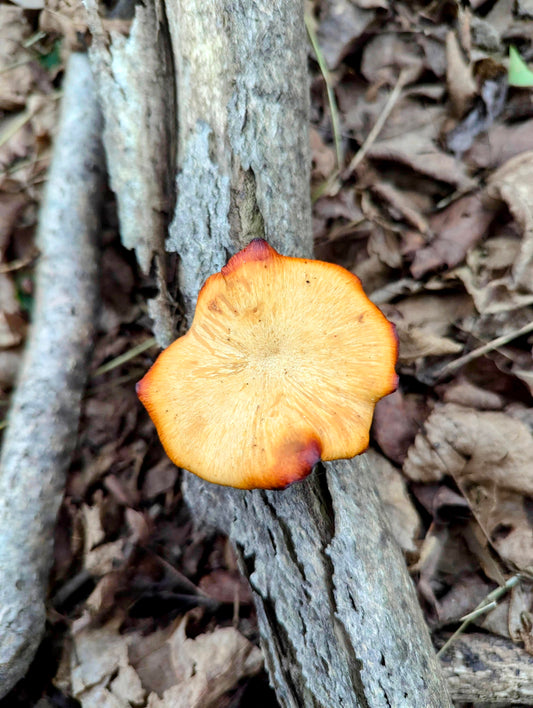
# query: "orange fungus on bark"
282,367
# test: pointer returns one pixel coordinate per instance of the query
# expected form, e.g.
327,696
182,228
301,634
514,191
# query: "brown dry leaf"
385,244
17,140
403,517
418,149
323,155
488,275
101,675
385,55
490,456
499,144
466,592
227,586
456,230
483,446
94,533
17,82
402,205
67,18
12,324
445,560
44,110
423,323
11,206
206,667
159,479
397,420
521,615
461,84
465,393
487,108
512,183
106,558
341,24
10,360
417,343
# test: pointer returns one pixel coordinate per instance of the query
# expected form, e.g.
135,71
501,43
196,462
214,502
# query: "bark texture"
135,80
338,616
491,670
43,419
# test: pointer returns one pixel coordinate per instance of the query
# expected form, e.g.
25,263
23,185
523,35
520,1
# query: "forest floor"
423,187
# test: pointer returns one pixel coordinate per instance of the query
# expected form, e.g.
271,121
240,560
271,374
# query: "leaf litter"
435,216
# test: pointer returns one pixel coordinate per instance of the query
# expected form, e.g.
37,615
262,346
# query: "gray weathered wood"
338,616
135,79
43,419
481,668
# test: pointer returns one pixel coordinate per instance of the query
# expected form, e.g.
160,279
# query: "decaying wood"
135,80
487,669
338,616
43,419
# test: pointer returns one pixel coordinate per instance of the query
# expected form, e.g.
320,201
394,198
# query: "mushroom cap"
282,366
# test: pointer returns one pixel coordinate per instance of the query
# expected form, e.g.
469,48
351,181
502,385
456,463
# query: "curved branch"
43,419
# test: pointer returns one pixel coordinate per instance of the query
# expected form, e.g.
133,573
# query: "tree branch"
43,419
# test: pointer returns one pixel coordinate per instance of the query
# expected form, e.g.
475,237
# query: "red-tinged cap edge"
256,251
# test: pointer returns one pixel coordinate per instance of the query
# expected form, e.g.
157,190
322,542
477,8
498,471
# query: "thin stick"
329,88
376,130
123,358
490,346
487,604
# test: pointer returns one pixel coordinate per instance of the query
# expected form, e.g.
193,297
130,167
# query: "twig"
19,263
43,419
20,120
127,356
335,122
487,604
378,126
484,349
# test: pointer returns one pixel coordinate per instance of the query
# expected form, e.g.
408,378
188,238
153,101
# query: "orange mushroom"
282,366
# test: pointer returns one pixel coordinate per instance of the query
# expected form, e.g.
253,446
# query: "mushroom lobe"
282,366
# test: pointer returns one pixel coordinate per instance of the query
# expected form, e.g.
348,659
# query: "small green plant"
519,74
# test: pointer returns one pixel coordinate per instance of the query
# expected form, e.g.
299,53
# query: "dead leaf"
459,78
206,667
500,144
402,205
386,55
323,156
486,109
402,515
467,394
418,150
423,323
445,562
521,615
67,18
226,586
11,206
456,229
97,656
512,183
490,456
10,360
484,446
341,24
397,420
16,74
